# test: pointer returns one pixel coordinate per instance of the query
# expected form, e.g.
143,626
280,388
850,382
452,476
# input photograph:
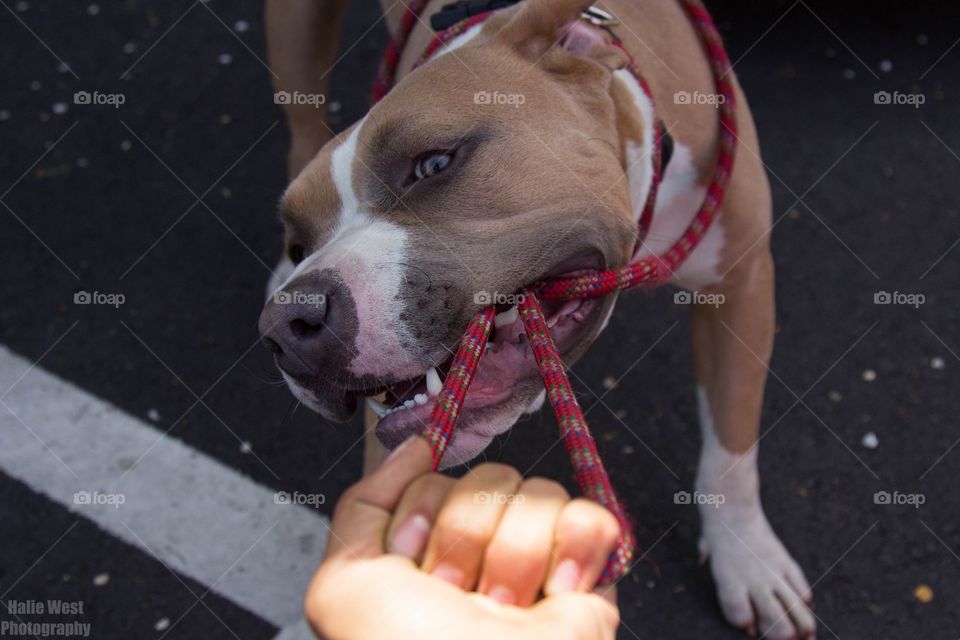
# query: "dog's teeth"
506,318
378,407
420,398
434,384
409,404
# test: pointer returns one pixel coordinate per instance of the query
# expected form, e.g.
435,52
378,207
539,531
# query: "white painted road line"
199,517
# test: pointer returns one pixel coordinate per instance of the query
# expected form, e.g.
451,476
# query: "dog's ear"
538,28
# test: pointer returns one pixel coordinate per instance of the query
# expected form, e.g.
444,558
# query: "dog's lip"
573,265
512,361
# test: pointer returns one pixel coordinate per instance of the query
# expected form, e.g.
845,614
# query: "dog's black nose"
299,322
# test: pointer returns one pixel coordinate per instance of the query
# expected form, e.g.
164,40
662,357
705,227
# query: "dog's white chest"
678,200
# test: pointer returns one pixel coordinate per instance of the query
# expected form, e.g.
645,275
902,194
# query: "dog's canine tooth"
506,318
378,407
434,384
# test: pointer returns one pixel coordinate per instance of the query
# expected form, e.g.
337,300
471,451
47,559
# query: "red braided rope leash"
581,447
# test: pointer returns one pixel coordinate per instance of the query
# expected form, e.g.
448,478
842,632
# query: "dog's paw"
759,586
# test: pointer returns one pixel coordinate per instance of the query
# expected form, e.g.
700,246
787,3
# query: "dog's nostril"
303,329
272,346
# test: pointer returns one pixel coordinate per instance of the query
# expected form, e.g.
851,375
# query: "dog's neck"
635,118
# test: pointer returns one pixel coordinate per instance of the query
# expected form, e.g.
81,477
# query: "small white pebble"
35,85
241,26
60,108
849,74
870,440
922,39
224,58
4,114
21,6
609,382
83,163
937,363
869,375
93,9
130,47
628,449
154,415
334,107
886,66
835,396
246,447
101,579
126,145
162,624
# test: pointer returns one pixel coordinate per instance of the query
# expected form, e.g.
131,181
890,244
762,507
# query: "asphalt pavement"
168,200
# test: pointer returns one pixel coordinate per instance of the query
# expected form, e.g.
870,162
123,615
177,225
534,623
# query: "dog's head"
488,168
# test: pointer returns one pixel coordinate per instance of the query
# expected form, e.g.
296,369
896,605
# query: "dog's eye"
295,252
431,164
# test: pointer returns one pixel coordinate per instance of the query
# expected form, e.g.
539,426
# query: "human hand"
489,555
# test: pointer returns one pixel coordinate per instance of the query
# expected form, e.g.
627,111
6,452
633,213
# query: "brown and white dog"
522,150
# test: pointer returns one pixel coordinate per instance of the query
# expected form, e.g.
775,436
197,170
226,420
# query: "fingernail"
502,595
449,573
403,445
411,537
566,577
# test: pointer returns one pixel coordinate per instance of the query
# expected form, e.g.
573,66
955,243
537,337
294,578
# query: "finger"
518,556
363,513
466,523
413,518
585,536
580,616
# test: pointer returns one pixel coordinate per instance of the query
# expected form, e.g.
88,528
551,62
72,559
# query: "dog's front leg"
303,37
758,583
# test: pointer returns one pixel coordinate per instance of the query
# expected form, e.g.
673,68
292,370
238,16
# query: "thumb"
363,513
583,616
